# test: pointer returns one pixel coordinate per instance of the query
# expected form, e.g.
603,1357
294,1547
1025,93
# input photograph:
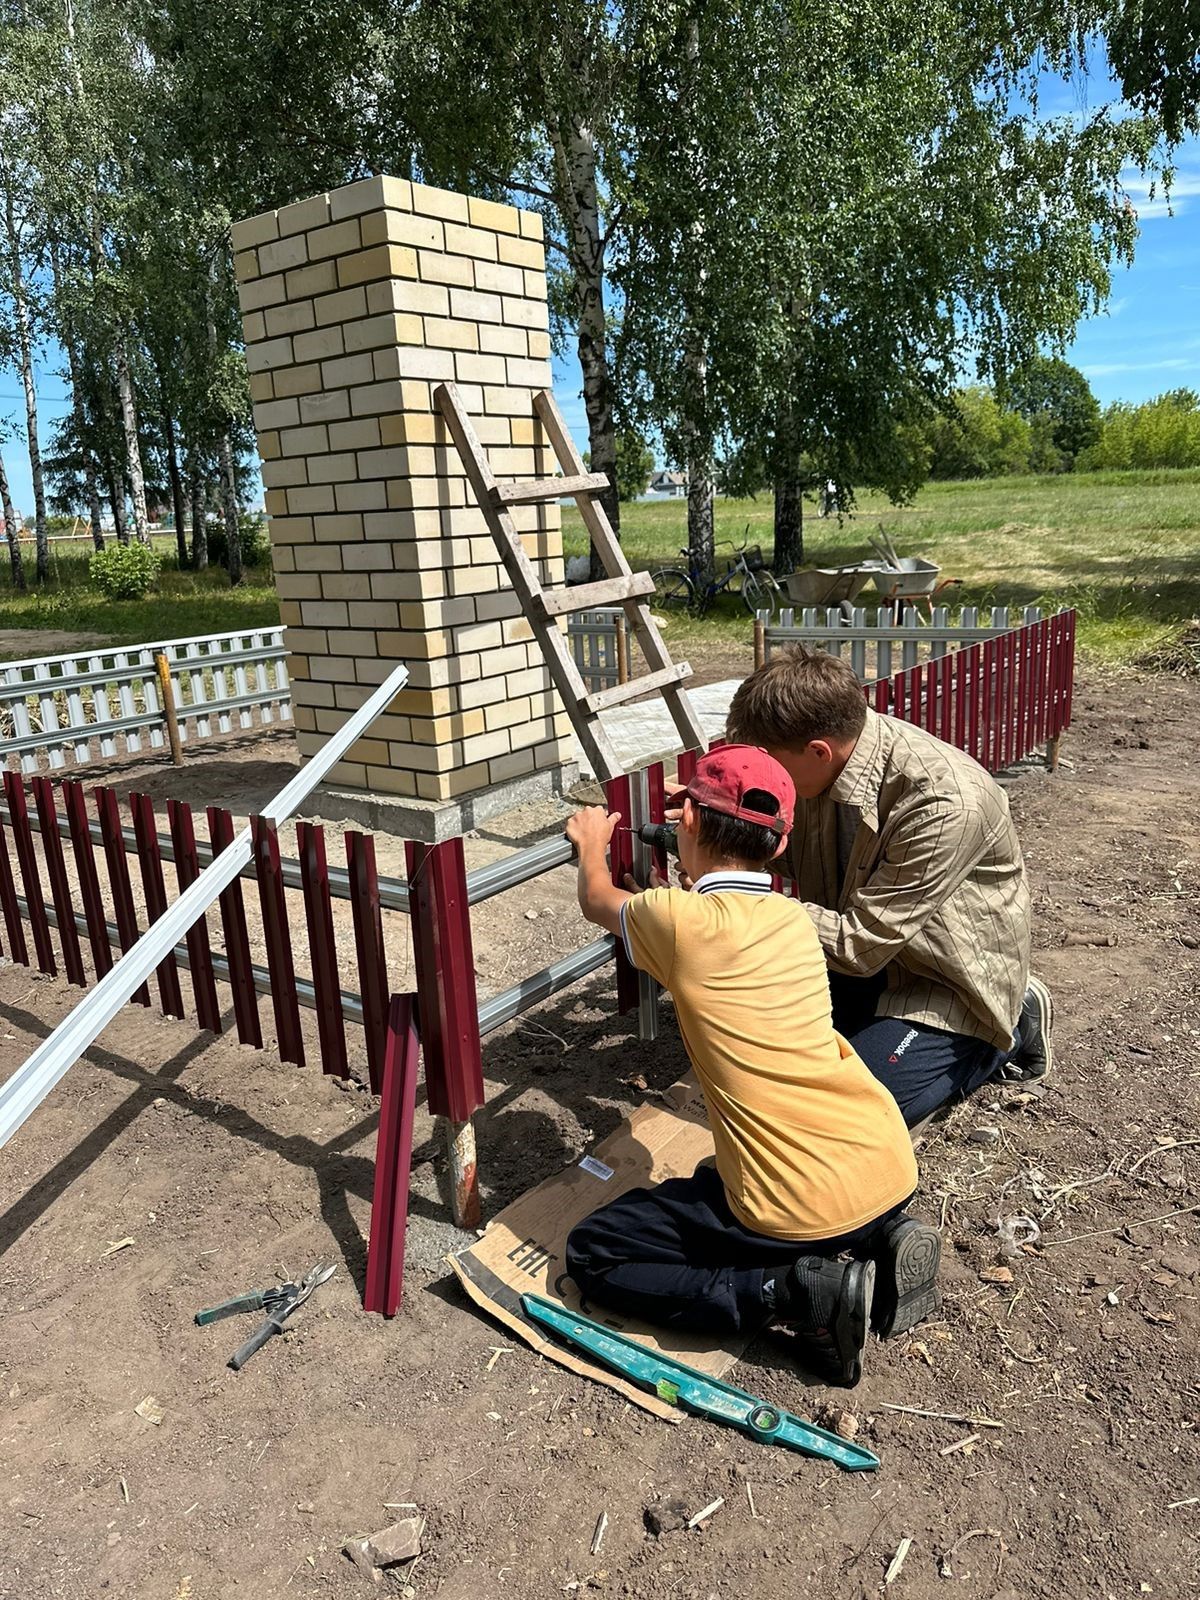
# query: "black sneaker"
907,1254
1034,1055
828,1307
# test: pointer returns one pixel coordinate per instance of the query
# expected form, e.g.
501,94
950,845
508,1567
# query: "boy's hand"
591,829
657,881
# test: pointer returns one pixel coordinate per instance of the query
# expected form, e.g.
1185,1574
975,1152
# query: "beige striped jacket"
934,889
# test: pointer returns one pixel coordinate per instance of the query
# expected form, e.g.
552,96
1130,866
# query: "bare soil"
225,1168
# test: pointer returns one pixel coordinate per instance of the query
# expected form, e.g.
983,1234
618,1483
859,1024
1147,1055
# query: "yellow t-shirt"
809,1145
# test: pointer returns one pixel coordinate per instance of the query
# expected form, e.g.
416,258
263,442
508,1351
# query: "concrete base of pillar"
433,821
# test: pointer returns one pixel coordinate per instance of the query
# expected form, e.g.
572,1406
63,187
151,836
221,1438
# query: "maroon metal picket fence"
999,700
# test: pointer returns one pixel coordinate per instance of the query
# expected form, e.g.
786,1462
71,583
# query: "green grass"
184,604
1123,548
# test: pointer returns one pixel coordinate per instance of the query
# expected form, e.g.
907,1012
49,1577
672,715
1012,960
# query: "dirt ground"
225,1168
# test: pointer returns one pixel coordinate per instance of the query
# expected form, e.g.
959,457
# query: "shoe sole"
853,1320
1046,1010
918,1257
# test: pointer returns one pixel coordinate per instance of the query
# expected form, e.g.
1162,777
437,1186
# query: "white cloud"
1106,369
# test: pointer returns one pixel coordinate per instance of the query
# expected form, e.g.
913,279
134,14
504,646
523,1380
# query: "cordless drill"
660,836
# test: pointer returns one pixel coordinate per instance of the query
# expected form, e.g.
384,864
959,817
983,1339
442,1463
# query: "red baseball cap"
729,772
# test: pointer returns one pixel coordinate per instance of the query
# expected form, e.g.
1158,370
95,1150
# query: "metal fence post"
617,798
448,1009
384,1287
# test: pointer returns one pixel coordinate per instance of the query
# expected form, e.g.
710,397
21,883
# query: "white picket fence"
68,710
880,641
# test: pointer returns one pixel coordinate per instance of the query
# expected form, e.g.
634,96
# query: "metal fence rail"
73,709
873,637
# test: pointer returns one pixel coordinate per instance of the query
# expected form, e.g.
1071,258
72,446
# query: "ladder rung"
586,596
605,698
523,492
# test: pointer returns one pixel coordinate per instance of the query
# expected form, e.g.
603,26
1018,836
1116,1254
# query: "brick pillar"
355,305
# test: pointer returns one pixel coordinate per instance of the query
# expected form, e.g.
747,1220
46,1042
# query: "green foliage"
1052,390
256,542
1163,432
635,465
124,571
977,438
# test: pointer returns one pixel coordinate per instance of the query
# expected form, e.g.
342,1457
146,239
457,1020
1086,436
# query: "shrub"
256,545
124,571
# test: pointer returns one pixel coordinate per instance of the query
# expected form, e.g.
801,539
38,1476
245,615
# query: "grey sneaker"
1034,1055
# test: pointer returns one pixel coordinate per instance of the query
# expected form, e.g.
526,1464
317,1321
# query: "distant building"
672,484
20,520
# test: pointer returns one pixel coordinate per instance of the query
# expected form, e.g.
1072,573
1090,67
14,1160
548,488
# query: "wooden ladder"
543,607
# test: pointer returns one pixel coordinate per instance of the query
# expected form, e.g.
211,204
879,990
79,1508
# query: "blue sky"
1147,340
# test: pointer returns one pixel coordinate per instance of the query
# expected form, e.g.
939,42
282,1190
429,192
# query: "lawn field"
1124,548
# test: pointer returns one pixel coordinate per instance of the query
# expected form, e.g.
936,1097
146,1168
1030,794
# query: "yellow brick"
337,239
269,353
348,775
319,345
304,441
283,474
332,469
532,226
275,502
402,227
254,326
407,294
391,328
403,493
503,341
498,279
261,386
414,361
292,318
444,203
331,406
297,380
437,268
370,194
344,306
361,496
262,292
535,284
522,253
305,282
245,266
491,214
300,501
384,261
359,435
472,368
268,442
524,313
291,530
282,255
515,765
410,427
276,414
475,242
347,371
253,231
539,344
445,333
303,214
340,528
530,374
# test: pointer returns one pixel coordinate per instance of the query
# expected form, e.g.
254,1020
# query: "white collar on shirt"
733,883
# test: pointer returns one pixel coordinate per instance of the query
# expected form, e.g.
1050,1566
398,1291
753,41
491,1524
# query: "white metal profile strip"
52,1059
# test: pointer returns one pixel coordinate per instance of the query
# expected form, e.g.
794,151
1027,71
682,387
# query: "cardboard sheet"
524,1248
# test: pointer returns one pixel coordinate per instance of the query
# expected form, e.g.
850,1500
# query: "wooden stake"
167,690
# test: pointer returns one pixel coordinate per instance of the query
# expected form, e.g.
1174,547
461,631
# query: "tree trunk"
10,531
181,543
78,409
25,351
133,450
575,163
93,498
229,505
116,499
701,541
199,496
789,522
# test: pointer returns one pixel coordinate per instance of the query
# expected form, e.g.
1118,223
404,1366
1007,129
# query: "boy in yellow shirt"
813,1162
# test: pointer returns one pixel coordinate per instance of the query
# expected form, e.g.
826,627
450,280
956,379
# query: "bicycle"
746,574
